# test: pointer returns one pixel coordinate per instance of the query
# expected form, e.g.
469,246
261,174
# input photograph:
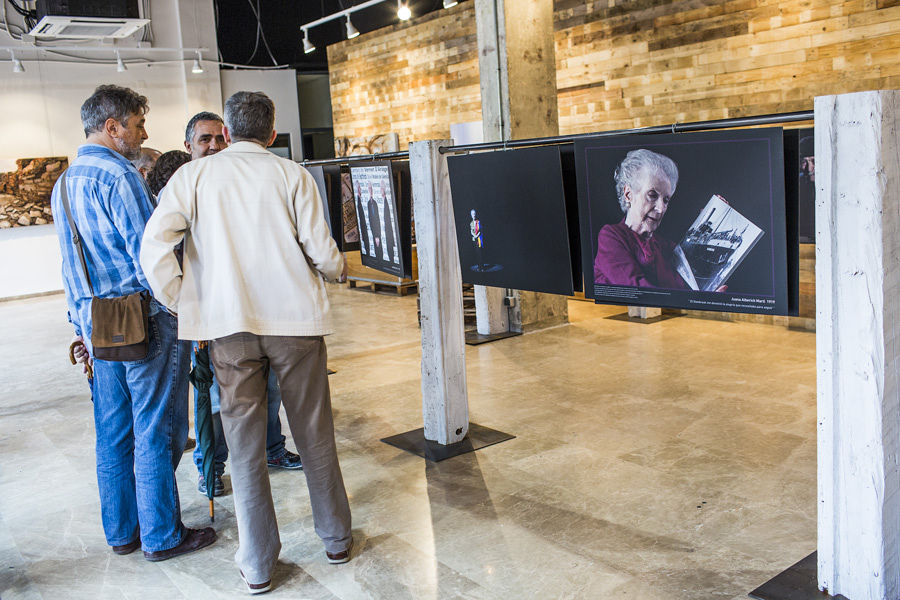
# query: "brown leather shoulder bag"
120,324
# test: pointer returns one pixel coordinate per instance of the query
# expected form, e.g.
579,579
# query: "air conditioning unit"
88,19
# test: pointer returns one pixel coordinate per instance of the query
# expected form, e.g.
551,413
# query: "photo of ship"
715,245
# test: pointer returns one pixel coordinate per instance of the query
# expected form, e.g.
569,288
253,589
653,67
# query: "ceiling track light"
120,64
403,12
17,64
450,3
307,45
352,31
197,68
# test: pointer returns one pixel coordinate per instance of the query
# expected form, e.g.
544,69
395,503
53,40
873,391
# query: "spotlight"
120,65
352,31
449,3
307,45
17,64
197,68
403,12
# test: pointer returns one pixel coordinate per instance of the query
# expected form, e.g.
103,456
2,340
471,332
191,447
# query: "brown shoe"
127,548
257,588
194,539
337,558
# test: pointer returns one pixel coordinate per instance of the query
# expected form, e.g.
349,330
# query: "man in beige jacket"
256,249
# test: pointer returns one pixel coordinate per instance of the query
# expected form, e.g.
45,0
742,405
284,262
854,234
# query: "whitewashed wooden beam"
857,336
445,404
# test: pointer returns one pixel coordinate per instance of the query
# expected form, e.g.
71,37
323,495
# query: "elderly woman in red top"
630,252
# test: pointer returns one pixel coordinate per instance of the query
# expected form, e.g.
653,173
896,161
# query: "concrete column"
445,404
523,53
857,354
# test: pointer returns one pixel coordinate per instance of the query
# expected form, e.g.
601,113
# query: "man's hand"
80,353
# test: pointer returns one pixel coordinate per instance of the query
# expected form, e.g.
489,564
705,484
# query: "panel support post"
445,404
857,337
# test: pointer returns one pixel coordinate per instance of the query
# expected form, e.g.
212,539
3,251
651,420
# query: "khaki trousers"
242,362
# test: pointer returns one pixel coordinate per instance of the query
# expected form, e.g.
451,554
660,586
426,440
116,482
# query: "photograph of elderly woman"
686,220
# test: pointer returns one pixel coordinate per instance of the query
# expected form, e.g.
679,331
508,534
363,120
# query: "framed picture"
692,220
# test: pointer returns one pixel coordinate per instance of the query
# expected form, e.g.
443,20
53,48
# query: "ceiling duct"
88,19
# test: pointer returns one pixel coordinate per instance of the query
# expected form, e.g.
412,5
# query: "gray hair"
111,102
250,116
200,116
146,159
635,162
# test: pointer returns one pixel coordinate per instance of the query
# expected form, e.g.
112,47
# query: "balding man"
204,137
253,223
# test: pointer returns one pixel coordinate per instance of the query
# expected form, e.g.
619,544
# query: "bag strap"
76,239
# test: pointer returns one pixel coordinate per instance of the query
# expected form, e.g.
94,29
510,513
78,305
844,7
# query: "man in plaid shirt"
140,407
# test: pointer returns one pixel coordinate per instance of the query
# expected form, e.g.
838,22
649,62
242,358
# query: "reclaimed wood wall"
413,78
625,63
632,63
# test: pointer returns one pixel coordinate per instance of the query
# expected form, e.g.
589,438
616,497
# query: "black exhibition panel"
570,185
510,213
797,208
349,226
403,194
800,179
693,220
381,241
328,182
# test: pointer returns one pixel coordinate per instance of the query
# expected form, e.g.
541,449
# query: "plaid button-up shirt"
110,205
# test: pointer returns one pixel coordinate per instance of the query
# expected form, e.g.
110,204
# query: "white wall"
40,114
281,87
30,261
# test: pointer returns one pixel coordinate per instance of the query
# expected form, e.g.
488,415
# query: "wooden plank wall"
413,79
632,63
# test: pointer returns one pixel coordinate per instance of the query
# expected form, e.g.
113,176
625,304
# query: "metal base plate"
624,317
473,338
478,437
798,582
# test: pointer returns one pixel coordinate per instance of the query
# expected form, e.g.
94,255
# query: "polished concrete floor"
673,460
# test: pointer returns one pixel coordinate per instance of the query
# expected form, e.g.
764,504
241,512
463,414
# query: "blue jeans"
274,439
140,416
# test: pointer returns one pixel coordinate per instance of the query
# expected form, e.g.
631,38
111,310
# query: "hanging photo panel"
382,246
511,224
349,225
328,182
691,220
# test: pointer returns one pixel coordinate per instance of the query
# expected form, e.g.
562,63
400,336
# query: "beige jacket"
256,246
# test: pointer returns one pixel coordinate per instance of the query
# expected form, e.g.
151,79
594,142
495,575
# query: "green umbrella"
202,378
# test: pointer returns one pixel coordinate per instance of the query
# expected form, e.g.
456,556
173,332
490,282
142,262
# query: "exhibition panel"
328,181
381,242
511,225
693,221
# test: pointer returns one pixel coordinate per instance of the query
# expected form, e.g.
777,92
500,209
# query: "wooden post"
445,405
858,330
524,53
